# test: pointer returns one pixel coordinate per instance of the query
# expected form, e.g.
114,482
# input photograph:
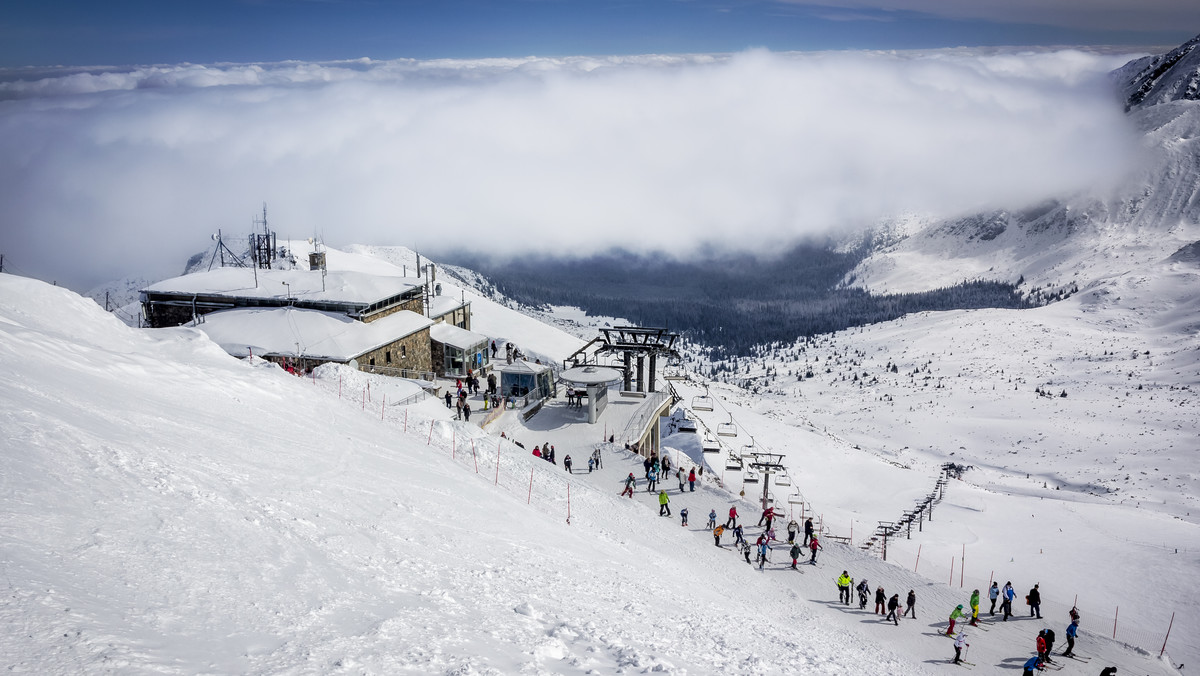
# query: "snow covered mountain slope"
1082,239
165,508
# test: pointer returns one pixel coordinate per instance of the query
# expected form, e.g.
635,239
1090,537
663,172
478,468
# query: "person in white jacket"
959,643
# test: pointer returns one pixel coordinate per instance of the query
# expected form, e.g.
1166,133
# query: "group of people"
546,452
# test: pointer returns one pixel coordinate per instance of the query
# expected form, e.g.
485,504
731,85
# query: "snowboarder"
993,595
1031,664
567,463
864,589
717,534
843,584
959,644
880,600
808,530
712,519
692,480
792,529
1006,605
975,608
910,604
1072,629
664,504
1035,602
683,515
796,552
630,484
732,517
813,546
954,615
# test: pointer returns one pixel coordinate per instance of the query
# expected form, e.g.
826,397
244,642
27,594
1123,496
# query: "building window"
387,356
372,361
404,352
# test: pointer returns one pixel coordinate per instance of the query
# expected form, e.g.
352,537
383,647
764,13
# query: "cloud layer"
105,173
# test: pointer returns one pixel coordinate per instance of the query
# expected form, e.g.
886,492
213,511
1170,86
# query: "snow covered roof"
522,366
451,335
309,333
344,286
440,305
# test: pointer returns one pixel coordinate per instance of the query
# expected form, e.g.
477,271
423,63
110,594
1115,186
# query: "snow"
451,335
306,285
168,508
308,333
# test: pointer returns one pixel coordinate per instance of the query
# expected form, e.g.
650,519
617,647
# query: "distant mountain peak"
1174,76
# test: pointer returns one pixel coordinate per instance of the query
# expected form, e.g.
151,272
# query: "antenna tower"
262,244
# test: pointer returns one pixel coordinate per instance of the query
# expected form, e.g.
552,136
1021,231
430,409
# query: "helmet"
960,606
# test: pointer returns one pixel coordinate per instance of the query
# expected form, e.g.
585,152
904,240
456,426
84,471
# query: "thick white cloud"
113,171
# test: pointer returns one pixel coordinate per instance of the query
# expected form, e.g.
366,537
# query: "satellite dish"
437,289
214,237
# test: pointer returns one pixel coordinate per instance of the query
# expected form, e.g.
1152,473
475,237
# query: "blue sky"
124,32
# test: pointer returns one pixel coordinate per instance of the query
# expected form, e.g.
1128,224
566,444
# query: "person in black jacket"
1035,602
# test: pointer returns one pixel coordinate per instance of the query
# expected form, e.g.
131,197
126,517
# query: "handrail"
640,422
410,374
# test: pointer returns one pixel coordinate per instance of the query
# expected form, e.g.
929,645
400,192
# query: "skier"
1041,645
893,609
1009,593
652,477
683,515
567,463
1033,663
1049,644
910,604
808,530
994,594
1035,602
717,534
880,600
864,588
954,615
975,608
746,549
663,504
1072,629
813,546
843,583
768,515
630,484
795,552
792,529
692,480
738,535
764,546
959,644
732,517
712,519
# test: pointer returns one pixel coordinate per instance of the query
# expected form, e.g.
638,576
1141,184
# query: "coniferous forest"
729,302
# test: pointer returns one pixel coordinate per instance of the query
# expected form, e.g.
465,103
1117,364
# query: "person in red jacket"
1041,645
732,518
692,479
768,515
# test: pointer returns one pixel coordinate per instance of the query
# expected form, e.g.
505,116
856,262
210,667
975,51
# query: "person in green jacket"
975,608
795,552
954,615
662,504
843,583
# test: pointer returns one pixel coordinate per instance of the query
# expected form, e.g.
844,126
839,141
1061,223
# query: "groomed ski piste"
170,509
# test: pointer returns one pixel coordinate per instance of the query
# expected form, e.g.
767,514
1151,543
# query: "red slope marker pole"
1160,653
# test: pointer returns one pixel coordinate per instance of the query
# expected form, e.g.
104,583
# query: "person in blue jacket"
1071,630
1032,664
1009,594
